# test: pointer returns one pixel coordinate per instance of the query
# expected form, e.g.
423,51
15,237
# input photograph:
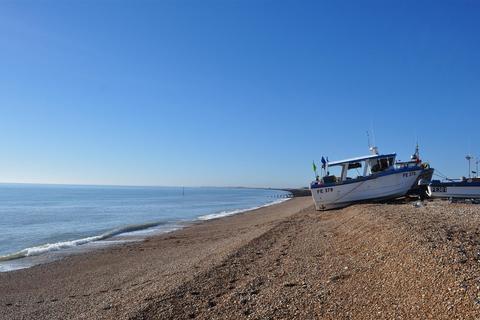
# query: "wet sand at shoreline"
368,261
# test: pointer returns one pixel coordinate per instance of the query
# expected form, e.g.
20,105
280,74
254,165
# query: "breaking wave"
41,249
232,212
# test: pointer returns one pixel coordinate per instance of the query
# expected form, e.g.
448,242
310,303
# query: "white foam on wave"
5,267
149,231
50,247
37,250
236,211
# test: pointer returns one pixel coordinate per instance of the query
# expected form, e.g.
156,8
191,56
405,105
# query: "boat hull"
384,186
464,190
419,188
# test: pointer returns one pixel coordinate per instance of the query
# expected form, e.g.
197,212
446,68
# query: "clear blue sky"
232,92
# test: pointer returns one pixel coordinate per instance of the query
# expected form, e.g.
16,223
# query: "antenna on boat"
373,134
477,161
373,149
469,158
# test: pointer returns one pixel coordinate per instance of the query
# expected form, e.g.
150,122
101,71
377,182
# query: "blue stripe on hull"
455,184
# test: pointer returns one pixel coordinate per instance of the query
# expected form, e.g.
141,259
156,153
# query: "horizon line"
139,186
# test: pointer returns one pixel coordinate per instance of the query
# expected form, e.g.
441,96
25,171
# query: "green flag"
314,166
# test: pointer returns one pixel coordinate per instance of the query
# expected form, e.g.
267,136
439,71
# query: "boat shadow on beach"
419,201
415,201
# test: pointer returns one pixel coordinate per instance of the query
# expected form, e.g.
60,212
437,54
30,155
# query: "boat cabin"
358,168
407,164
414,161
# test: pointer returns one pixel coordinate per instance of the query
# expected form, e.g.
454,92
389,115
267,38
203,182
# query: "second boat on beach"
464,189
381,178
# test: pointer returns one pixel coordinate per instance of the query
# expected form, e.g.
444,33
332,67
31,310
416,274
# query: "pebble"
289,284
211,304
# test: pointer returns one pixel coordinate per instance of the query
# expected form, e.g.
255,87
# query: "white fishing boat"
464,188
467,188
380,179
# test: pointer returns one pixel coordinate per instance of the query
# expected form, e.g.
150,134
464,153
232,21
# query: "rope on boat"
441,175
336,200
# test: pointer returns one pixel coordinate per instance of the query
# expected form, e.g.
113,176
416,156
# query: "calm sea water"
39,219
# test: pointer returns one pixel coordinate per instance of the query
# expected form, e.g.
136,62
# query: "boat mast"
372,148
416,156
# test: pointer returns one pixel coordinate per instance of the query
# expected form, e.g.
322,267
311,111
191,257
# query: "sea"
41,223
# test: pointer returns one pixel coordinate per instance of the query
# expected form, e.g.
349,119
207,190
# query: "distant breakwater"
299,192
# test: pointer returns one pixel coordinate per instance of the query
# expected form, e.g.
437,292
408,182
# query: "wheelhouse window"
354,170
382,164
391,162
333,175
